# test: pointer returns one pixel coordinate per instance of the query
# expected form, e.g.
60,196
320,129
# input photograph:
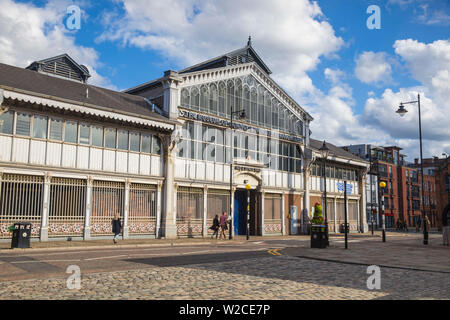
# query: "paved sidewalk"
5,247
400,251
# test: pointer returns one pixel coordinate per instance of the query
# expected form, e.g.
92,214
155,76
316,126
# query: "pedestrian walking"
418,223
215,226
405,226
223,225
426,224
116,227
398,224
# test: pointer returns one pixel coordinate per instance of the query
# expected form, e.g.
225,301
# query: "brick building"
437,189
402,192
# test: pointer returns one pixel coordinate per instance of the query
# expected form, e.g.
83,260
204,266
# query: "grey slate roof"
220,60
339,152
73,91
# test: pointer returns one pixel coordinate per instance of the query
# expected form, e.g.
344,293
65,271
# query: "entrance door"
240,212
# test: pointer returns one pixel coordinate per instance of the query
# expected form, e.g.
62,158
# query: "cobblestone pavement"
272,277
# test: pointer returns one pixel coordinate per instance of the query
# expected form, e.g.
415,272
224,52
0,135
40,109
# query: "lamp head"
243,115
324,150
401,110
382,184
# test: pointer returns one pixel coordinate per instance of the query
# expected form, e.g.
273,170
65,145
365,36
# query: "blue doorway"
240,212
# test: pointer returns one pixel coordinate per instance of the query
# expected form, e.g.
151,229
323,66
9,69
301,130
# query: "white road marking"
37,261
107,257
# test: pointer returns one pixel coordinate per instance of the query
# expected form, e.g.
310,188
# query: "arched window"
299,126
195,101
253,109
213,99
289,116
281,121
274,113
204,95
268,112
246,101
230,97
261,106
222,94
238,95
250,80
185,97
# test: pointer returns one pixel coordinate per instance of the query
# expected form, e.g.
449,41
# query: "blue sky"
347,76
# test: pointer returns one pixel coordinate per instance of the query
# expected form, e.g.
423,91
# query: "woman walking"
215,226
223,225
116,227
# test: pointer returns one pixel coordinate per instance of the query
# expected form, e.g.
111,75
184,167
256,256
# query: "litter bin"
318,236
21,235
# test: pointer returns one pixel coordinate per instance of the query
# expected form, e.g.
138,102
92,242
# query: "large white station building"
165,154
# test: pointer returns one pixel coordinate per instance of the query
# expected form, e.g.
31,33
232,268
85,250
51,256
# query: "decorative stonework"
65,228
101,228
189,229
272,228
142,228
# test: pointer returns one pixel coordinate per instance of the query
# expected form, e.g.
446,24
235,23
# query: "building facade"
165,154
436,190
402,193
72,155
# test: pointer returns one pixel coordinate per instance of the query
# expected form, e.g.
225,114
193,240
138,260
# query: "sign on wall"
340,187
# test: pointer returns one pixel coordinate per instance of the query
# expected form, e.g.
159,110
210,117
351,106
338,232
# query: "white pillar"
44,218
158,210
205,210
360,227
232,210
261,210
283,228
335,214
306,201
364,227
87,216
169,226
126,209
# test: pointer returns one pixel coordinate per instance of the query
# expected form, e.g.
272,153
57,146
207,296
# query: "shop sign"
227,123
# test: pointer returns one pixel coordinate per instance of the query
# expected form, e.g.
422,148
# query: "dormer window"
61,66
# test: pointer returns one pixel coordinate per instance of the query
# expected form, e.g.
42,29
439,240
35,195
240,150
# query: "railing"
67,207
21,200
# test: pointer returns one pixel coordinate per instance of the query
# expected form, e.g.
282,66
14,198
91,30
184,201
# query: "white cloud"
430,65
195,30
334,76
31,33
373,67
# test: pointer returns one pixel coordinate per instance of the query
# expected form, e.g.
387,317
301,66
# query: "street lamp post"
345,213
383,220
248,187
402,111
241,116
370,181
324,151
